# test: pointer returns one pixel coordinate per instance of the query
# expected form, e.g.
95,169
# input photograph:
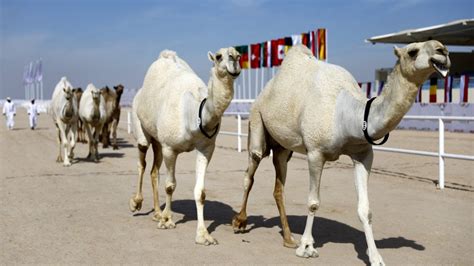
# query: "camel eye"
218,57
413,53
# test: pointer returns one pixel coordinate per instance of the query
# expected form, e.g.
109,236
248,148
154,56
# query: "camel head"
68,92
95,95
119,89
226,63
419,60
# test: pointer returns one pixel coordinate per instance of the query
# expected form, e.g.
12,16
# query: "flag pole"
249,77
256,82
326,44
261,80
244,83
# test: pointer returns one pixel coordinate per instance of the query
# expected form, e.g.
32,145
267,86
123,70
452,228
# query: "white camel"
317,109
63,109
93,115
177,113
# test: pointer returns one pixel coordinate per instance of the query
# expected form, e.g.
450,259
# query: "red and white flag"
255,55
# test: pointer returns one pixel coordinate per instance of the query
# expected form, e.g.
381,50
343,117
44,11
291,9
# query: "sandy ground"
53,214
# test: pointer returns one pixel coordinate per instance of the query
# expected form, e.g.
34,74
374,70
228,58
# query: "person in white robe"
33,114
9,111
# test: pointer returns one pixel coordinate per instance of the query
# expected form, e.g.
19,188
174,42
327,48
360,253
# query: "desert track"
53,214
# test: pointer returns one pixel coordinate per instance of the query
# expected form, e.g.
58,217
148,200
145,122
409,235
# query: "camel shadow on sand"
324,230
102,155
121,143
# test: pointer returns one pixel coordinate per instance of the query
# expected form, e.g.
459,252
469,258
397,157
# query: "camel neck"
395,101
95,110
68,109
220,93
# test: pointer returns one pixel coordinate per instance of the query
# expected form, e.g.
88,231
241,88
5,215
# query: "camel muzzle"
441,68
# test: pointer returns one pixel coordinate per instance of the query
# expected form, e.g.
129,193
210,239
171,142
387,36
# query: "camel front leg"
281,157
135,203
97,131
64,144
203,157
73,140
59,159
169,156
114,134
315,164
91,140
362,165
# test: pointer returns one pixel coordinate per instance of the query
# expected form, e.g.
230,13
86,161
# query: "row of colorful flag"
271,53
33,72
449,89
452,89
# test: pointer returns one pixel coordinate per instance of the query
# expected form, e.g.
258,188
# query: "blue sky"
115,41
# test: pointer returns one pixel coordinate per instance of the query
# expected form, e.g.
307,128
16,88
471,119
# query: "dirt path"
53,214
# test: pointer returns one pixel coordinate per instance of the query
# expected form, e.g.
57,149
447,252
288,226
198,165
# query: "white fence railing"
440,154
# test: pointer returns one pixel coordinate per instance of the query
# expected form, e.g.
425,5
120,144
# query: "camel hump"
168,54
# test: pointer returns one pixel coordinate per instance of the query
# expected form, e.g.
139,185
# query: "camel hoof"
206,240
166,225
156,217
307,251
67,164
135,205
376,259
116,148
290,243
239,224
59,159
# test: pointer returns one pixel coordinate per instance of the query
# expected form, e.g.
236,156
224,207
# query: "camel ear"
397,51
211,57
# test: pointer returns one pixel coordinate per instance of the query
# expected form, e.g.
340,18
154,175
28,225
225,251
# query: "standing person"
9,110
33,114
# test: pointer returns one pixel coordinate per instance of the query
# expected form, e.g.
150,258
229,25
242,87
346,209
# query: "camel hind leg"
143,141
135,203
257,150
281,156
169,156
155,177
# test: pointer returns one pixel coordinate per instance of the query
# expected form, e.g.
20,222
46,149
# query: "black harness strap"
365,125
200,122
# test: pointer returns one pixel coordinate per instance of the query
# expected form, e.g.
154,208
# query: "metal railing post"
239,132
441,153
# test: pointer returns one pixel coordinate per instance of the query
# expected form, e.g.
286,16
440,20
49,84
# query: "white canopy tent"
459,32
